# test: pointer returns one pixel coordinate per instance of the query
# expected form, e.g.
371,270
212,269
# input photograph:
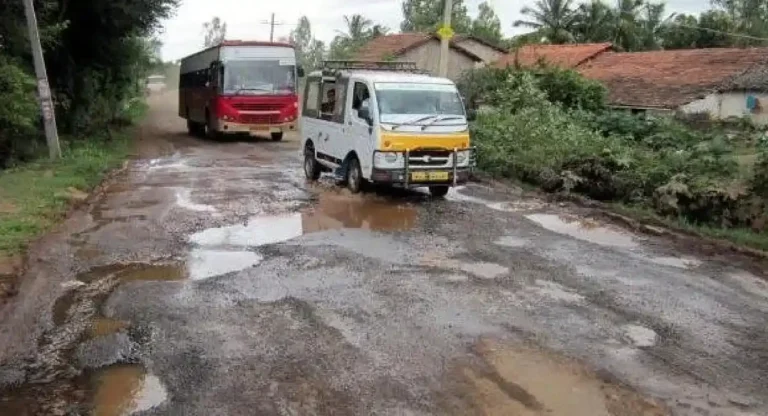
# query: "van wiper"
439,119
411,122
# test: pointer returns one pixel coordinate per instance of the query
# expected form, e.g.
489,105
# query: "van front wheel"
311,167
355,181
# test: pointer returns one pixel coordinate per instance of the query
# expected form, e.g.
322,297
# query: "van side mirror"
471,114
365,113
300,71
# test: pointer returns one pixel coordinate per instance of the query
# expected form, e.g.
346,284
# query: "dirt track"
209,278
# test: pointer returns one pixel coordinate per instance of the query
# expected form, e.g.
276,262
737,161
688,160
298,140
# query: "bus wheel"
277,136
192,128
438,191
208,129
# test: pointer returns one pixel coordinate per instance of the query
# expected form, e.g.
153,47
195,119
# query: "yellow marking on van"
410,140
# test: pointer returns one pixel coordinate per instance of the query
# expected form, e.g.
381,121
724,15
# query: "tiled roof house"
466,52
719,82
670,79
566,56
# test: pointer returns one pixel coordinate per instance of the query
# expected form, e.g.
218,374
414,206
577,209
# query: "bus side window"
312,98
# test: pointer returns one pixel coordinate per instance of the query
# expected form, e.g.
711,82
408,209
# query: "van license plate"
429,176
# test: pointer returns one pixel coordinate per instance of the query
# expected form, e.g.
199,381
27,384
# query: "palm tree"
552,18
628,33
594,22
358,28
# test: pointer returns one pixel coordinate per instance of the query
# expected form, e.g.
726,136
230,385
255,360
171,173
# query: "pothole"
136,272
126,389
101,326
521,380
585,230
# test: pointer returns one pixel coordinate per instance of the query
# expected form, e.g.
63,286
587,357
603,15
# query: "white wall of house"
486,53
427,57
730,104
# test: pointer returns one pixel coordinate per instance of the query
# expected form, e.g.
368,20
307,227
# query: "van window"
312,98
328,100
361,94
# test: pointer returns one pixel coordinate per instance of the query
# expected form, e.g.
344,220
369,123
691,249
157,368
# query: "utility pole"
43,88
272,29
445,33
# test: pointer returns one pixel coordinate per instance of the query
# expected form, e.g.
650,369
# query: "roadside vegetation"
551,128
98,56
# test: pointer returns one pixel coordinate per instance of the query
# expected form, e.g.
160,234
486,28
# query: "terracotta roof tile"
383,46
668,79
399,43
567,56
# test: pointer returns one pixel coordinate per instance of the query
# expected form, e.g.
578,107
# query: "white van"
385,123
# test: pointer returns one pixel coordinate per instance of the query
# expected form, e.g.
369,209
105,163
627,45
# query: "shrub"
18,113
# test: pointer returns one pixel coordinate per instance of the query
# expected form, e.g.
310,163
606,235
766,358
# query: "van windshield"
396,99
258,77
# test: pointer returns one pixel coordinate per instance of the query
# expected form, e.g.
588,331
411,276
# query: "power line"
736,35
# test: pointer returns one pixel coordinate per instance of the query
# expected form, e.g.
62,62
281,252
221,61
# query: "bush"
18,113
560,86
613,156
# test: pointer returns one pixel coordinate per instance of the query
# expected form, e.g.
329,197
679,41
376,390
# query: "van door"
359,131
310,113
331,122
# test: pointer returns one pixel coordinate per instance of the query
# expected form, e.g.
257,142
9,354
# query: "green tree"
553,19
713,28
487,26
681,32
215,32
594,22
427,16
309,51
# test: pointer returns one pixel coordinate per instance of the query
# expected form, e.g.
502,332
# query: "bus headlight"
462,158
389,160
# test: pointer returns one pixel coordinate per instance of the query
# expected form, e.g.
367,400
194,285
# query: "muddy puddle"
125,389
135,272
332,211
516,380
585,230
101,326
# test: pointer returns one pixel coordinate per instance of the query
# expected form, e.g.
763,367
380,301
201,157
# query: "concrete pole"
272,29
43,88
444,40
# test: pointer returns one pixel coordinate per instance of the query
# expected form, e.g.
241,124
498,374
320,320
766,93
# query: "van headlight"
462,158
389,160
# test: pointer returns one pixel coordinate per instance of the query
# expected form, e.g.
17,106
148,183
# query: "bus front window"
259,77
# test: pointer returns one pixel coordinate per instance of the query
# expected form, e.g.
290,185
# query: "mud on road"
209,278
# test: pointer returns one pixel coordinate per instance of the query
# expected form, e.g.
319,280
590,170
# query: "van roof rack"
334,66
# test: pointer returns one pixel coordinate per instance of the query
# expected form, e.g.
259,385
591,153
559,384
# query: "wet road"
208,278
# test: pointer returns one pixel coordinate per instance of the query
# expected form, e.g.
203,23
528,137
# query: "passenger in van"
330,104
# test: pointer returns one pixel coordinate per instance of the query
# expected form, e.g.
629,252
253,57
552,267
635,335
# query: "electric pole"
272,29
445,33
43,88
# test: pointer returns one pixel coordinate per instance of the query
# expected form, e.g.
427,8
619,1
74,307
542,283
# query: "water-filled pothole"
125,389
135,272
584,230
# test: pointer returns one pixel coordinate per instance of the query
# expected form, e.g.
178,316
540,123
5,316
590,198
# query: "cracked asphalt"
208,278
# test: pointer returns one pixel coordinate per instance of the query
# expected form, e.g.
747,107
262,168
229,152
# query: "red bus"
240,87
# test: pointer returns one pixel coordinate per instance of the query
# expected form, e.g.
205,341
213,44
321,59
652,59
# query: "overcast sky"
183,33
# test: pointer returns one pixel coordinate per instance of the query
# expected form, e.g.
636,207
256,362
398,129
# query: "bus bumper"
228,127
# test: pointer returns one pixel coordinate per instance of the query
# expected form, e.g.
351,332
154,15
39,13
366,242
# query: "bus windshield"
258,77
417,99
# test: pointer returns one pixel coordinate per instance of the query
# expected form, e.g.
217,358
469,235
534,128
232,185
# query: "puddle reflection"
126,389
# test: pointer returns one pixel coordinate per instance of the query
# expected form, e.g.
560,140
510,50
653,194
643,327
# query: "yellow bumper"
228,127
